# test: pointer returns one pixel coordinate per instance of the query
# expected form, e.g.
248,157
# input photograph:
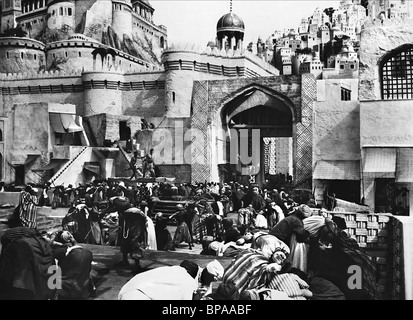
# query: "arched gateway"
253,127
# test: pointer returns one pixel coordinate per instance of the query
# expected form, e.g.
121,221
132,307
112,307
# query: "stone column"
233,43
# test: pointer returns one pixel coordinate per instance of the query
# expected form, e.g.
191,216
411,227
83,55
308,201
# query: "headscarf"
269,244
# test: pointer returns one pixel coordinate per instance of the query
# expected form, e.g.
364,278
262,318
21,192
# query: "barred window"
396,74
345,94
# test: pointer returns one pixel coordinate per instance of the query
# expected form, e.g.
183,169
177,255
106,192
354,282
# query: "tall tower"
10,9
230,31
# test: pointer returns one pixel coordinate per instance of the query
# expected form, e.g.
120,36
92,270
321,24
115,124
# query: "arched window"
396,74
1,135
162,42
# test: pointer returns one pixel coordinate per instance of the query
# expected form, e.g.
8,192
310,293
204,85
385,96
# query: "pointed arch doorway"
259,126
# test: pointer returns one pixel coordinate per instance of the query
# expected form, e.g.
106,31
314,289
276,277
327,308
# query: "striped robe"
289,283
28,210
247,270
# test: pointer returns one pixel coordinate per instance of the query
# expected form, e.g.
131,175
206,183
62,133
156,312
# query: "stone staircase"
66,166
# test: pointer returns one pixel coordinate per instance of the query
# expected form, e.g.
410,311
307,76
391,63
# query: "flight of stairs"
67,165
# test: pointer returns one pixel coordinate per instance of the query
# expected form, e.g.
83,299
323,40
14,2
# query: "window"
35,57
61,11
396,74
173,97
342,66
352,66
80,54
69,11
22,55
345,94
7,55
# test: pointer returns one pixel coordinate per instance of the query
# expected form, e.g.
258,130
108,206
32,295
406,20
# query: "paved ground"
108,285
110,281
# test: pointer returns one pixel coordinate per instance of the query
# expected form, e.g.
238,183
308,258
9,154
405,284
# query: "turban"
66,236
215,268
304,211
216,246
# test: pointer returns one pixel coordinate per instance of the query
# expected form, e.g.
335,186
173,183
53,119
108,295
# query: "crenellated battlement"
196,54
40,75
25,43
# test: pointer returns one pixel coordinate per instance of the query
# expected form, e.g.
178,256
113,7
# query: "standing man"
133,163
28,207
148,164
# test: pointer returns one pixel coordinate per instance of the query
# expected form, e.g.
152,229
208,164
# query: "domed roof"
230,22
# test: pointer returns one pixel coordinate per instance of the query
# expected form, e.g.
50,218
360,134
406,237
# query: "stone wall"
336,131
31,135
38,88
376,40
386,123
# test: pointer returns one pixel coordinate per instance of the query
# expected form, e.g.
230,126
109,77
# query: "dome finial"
230,5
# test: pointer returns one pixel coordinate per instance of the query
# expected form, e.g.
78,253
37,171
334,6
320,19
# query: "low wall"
388,240
9,198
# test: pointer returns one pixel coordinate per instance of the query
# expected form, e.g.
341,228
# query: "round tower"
122,17
61,15
103,93
230,32
19,55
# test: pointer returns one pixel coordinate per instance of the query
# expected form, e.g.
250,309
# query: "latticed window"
396,74
270,162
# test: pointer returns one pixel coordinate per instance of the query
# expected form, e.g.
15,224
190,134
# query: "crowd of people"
280,249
